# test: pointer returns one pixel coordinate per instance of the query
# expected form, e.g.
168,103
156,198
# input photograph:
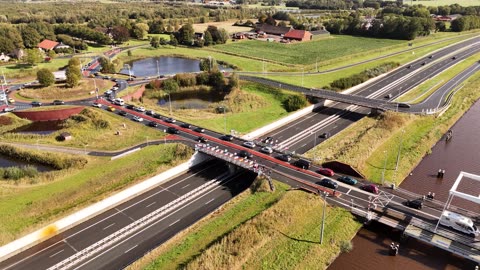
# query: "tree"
52,54
120,34
45,77
30,37
155,42
10,39
173,40
170,86
33,56
140,30
208,38
233,81
107,65
73,72
294,102
186,34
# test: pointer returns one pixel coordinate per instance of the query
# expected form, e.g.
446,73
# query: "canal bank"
459,153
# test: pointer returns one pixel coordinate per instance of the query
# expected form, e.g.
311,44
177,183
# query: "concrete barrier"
89,212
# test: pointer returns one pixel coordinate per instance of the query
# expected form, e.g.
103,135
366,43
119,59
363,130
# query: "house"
273,30
319,33
300,35
47,45
4,58
62,46
443,19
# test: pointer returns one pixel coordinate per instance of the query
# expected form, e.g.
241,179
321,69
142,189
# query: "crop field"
435,3
306,52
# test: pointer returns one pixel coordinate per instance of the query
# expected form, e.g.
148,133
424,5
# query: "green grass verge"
89,134
436,3
187,245
28,207
367,143
421,92
284,236
21,70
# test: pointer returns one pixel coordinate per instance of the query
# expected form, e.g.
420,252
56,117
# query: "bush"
45,77
346,246
294,102
356,79
15,173
186,80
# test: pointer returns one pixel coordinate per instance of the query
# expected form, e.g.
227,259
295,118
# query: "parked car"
170,120
417,204
202,139
122,113
199,129
302,163
172,130
266,150
153,124
96,104
249,144
326,171
370,188
347,180
245,154
284,157
328,183
139,109
186,125
111,109
137,118
106,77
227,137
36,103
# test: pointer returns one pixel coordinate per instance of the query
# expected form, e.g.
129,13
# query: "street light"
399,149
224,110
158,70
303,72
4,87
384,167
323,215
129,72
169,103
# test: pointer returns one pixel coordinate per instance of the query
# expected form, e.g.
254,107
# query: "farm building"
48,45
273,30
300,35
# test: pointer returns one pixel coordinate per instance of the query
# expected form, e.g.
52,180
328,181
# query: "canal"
461,153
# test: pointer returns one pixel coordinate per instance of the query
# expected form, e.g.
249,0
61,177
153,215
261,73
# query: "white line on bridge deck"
151,204
109,226
53,255
130,248
209,201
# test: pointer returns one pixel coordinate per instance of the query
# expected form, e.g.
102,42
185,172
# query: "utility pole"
158,70
4,87
323,215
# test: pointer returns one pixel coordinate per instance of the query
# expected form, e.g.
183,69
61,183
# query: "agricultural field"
435,3
227,25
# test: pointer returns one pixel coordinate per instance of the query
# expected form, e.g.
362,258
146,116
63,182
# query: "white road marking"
109,226
151,204
185,186
53,255
130,248
174,222
210,201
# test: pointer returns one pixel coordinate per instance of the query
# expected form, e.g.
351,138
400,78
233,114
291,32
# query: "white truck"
119,101
460,223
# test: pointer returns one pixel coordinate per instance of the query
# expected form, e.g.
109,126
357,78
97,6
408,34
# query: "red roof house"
300,35
47,45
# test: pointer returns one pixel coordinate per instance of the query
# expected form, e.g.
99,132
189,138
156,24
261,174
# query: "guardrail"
127,230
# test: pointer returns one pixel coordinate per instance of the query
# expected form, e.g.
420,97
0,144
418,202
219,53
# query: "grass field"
227,25
25,208
22,70
89,134
435,3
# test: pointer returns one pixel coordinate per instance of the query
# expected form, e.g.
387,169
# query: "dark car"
404,105
122,113
186,125
158,116
324,135
370,188
150,112
153,124
202,139
302,163
170,120
268,140
172,130
284,157
199,129
431,56
36,104
245,154
130,106
326,171
417,204
409,66
453,58
347,180
58,102
227,137
328,183
423,63
389,96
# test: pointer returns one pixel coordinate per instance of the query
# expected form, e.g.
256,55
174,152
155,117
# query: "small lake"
195,99
8,162
164,66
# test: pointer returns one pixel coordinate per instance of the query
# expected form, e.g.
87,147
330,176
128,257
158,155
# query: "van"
119,101
302,163
459,223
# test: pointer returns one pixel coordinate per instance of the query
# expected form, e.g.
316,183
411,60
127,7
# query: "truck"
459,222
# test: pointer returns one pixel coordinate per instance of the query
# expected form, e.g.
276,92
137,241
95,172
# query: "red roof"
295,34
47,44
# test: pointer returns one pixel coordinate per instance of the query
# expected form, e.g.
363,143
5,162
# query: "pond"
8,162
42,128
164,66
195,99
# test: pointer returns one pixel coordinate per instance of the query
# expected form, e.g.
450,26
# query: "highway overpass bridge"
330,95
387,207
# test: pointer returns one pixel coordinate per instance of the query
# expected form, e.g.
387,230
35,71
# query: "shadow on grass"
299,240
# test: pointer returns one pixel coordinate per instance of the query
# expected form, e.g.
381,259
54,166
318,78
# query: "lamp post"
399,149
303,72
384,167
158,70
169,103
4,87
224,110
323,215
129,72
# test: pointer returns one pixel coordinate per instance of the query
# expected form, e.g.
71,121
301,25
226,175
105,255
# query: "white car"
108,92
249,144
139,109
96,104
8,109
137,119
114,88
266,150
